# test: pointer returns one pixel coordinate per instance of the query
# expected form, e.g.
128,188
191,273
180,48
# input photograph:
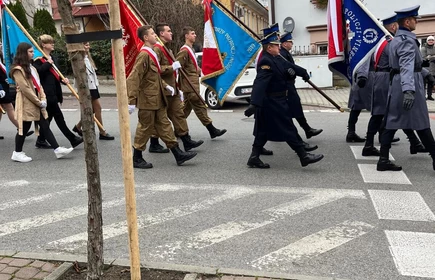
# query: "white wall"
317,66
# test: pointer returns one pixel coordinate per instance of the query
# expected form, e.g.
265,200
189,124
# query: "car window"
199,59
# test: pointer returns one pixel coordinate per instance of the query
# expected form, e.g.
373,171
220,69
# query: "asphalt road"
337,218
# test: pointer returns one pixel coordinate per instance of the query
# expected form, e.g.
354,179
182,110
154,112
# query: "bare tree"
95,219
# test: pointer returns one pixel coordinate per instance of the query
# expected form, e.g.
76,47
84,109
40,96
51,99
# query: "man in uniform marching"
146,90
188,61
407,108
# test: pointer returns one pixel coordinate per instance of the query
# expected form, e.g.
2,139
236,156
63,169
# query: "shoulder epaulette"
403,37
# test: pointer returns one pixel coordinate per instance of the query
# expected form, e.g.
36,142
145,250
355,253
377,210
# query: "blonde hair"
45,39
88,53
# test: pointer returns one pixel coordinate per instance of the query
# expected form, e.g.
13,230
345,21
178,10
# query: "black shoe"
181,156
370,151
352,137
43,145
395,139
255,161
30,132
430,98
385,164
309,148
76,141
2,137
76,130
310,158
157,148
141,163
266,152
189,144
214,132
419,148
106,137
312,132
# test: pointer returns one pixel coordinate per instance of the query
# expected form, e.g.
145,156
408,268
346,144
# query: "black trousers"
54,111
353,119
295,143
43,127
375,125
425,135
303,123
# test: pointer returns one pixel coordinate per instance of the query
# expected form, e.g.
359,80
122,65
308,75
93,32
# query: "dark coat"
269,96
49,82
361,98
381,84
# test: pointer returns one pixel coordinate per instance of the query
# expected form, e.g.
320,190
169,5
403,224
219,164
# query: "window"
322,49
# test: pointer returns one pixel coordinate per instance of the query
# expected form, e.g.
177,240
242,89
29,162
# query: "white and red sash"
379,50
2,67
35,79
191,54
153,56
166,54
52,70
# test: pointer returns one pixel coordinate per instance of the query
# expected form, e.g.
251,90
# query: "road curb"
68,259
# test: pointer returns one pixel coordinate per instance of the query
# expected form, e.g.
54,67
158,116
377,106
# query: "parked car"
241,92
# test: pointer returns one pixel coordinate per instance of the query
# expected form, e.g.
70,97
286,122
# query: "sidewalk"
309,96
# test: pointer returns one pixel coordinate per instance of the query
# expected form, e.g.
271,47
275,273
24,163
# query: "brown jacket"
145,87
28,101
167,72
189,67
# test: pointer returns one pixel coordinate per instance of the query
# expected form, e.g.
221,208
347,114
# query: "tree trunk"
95,219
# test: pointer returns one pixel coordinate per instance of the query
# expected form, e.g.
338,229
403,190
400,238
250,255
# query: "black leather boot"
309,147
384,164
266,152
181,156
255,161
312,132
139,162
310,158
155,146
352,137
417,148
214,132
369,151
76,141
189,144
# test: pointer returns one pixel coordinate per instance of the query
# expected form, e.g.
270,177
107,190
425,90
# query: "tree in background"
20,13
42,20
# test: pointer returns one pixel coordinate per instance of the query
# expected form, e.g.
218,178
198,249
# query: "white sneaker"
62,151
20,157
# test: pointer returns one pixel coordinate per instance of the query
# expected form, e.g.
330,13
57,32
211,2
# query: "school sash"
191,54
52,70
168,57
2,67
35,79
153,56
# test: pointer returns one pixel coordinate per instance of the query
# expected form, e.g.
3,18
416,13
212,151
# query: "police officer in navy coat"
269,104
407,108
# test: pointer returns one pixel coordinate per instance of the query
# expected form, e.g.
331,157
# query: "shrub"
43,21
20,13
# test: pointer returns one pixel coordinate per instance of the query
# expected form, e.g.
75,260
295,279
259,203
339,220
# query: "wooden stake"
124,126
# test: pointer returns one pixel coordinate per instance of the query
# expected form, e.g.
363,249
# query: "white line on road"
232,229
371,175
53,217
40,198
401,205
313,245
74,242
17,183
413,252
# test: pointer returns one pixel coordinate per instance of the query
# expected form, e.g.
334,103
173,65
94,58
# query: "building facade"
32,5
310,34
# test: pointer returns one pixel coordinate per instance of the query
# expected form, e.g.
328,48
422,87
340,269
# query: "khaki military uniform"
146,90
175,105
192,101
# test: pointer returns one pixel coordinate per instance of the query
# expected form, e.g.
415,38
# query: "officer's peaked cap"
389,20
269,30
272,38
408,12
286,37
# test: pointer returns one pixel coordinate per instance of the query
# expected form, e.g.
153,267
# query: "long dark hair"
21,58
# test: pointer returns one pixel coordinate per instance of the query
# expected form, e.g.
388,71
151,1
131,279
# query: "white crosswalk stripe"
17,183
371,175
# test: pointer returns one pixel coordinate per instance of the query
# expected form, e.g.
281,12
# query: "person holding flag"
186,56
407,108
50,81
174,96
145,89
30,104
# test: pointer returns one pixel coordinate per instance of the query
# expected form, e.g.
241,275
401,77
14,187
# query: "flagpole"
39,48
372,16
183,73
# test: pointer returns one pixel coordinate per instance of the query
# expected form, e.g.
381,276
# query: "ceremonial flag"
12,36
353,35
229,49
130,22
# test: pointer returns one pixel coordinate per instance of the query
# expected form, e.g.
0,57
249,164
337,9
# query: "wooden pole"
124,126
54,66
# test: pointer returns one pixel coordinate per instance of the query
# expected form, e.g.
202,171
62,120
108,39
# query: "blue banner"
238,48
12,36
362,34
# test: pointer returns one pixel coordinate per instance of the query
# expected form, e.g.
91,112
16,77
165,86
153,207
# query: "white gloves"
131,109
2,93
176,65
181,95
171,89
43,104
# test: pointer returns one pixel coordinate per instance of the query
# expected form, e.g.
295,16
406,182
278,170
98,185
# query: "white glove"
131,109
2,93
171,89
181,95
43,104
176,65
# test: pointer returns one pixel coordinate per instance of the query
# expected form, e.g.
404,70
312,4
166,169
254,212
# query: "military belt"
397,71
277,94
387,69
